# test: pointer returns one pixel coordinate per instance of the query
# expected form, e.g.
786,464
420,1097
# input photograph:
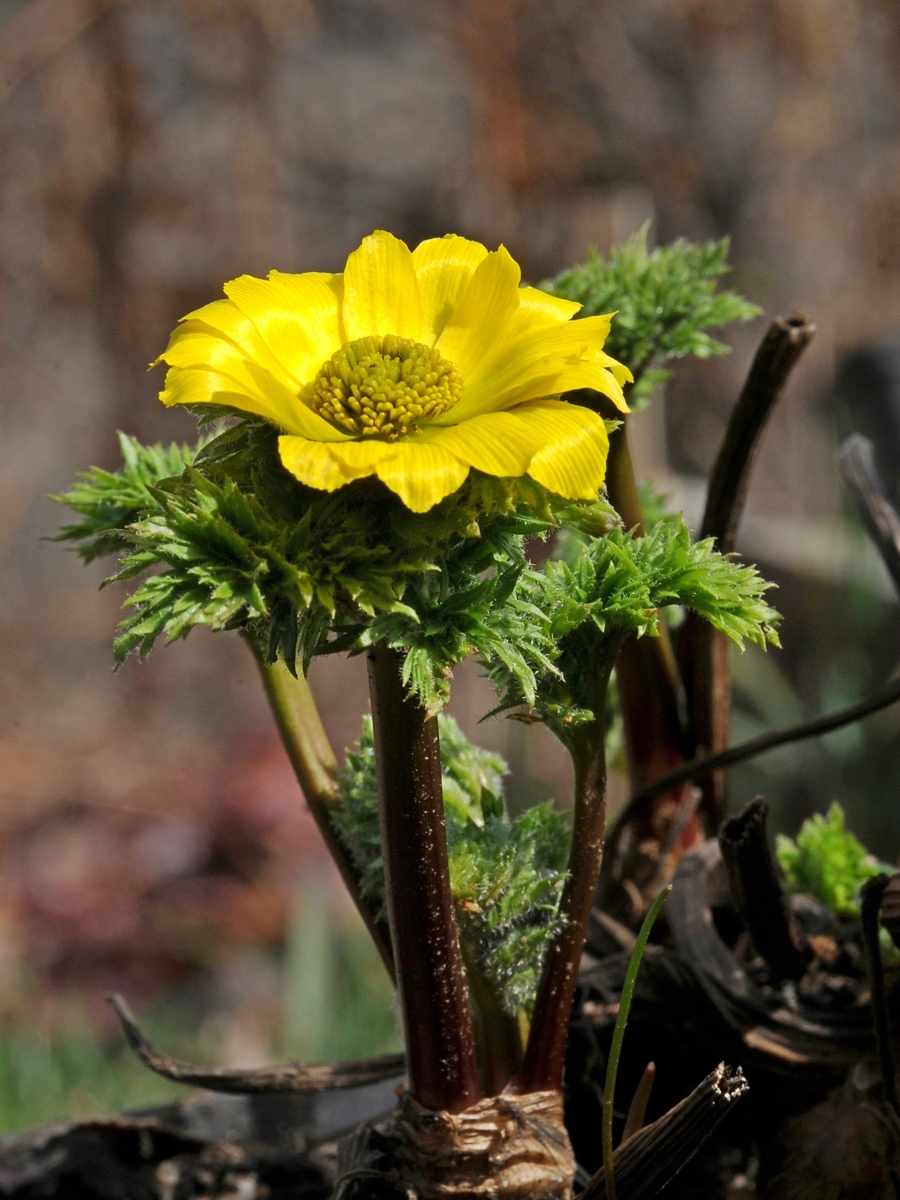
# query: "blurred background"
152,837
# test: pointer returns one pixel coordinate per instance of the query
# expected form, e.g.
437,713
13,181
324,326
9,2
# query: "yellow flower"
412,366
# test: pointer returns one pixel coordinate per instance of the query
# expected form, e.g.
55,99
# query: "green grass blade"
612,1066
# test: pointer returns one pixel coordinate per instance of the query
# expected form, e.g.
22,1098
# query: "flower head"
412,366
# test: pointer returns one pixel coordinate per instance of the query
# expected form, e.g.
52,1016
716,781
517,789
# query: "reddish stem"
646,673
542,1068
431,981
649,684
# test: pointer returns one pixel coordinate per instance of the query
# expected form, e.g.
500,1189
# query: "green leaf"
665,301
506,875
608,587
828,861
225,537
729,594
109,501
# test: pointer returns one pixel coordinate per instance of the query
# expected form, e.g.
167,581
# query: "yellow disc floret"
383,386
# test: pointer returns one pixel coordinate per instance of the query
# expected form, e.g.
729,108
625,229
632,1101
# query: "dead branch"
757,891
778,354
800,1040
862,479
872,894
704,651
291,1077
761,745
890,910
653,1156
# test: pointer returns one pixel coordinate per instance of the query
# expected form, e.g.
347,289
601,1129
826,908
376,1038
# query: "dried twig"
648,1160
761,745
704,651
757,892
856,463
871,895
778,354
292,1077
890,910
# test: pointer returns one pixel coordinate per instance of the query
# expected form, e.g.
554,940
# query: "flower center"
383,386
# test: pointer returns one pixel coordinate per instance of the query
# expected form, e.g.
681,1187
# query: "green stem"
621,481
542,1068
315,767
498,1036
431,980
615,1050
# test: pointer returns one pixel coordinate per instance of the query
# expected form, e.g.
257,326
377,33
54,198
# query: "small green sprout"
828,861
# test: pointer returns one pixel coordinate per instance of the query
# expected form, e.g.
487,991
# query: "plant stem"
315,766
542,1068
615,1050
649,687
498,1037
651,661
431,981
621,481
703,654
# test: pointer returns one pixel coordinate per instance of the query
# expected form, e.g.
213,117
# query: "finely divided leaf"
665,301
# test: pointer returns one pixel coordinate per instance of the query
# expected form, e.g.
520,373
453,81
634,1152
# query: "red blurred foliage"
106,897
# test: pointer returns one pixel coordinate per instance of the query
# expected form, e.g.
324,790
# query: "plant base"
514,1147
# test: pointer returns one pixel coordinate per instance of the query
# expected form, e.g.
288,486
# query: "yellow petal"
487,307
497,444
530,365
194,345
251,389
605,380
296,316
422,473
311,463
563,342
572,461
583,375
357,459
381,293
537,308
187,386
443,268
224,320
